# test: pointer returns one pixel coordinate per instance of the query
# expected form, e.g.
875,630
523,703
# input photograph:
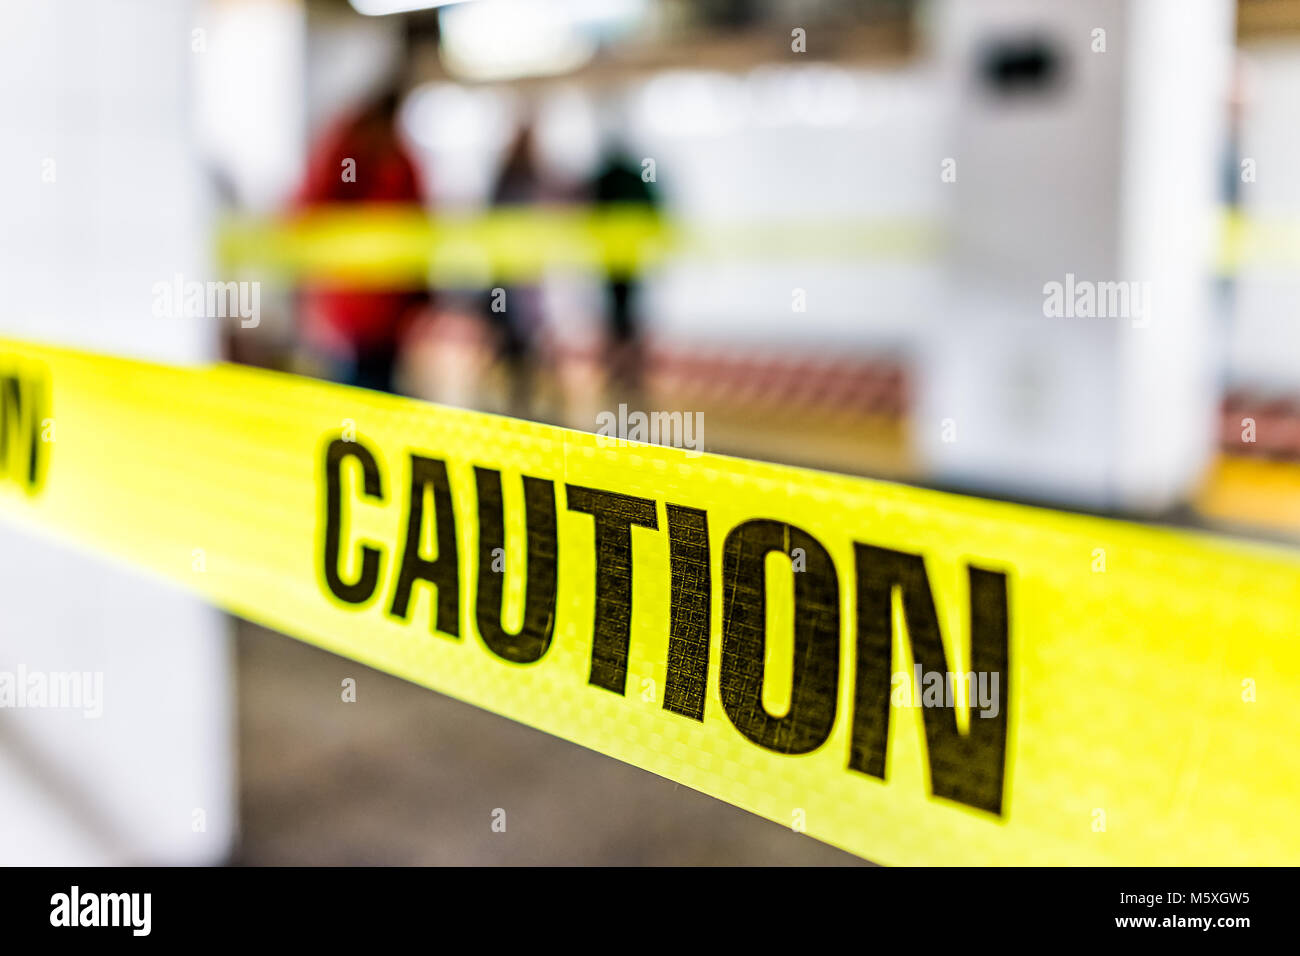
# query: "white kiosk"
1073,358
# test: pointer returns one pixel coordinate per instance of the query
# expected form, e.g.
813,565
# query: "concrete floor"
407,776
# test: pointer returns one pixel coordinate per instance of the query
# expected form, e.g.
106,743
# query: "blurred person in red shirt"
362,159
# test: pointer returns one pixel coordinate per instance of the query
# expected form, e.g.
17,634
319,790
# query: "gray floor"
407,776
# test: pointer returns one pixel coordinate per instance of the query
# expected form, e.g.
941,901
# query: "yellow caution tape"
917,677
386,246
399,245
1259,242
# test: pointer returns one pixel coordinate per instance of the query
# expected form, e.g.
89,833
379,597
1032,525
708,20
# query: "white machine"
1072,358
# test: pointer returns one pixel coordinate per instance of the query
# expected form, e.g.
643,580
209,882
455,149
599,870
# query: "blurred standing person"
515,312
361,160
620,181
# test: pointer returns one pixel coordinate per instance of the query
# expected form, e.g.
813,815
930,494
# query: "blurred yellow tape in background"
917,677
385,246
397,246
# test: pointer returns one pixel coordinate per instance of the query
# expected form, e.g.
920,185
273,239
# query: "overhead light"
505,39
379,8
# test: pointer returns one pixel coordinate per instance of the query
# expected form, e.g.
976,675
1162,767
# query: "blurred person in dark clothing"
620,181
362,159
515,312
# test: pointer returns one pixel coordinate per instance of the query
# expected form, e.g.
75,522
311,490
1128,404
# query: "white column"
102,198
